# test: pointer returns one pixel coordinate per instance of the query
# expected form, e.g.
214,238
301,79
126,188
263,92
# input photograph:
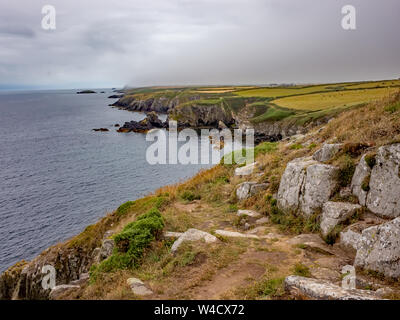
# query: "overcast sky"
103,43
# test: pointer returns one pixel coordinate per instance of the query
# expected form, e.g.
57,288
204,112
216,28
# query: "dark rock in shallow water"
101,129
86,91
150,122
116,125
116,96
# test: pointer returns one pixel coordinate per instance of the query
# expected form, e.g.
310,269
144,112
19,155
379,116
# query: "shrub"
190,196
392,108
132,241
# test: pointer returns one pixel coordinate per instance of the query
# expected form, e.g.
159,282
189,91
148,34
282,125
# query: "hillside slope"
249,254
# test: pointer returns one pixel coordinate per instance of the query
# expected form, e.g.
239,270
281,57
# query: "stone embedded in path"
138,287
60,290
312,242
262,220
233,234
325,290
334,213
327,152
249,213
193,235
379,249
248,189
169,234
246,170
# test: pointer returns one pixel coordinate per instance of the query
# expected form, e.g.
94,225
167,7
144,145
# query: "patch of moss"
370,159
365,183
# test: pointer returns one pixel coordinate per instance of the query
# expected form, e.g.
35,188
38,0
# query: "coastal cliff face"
198,114
161,104
337,186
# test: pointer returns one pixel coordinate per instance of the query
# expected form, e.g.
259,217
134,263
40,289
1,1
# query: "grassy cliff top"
301,103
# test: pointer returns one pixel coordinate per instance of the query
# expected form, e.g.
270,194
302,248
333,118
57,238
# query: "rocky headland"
313,210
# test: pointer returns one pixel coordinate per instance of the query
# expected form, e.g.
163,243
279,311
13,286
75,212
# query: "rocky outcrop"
379,249
58,291
383,196
306,185
350,239
248,189
150,122
314,289
327,152
160,104
193,235
201,115
334,213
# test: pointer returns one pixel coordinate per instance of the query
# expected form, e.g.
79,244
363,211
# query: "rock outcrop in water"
150,122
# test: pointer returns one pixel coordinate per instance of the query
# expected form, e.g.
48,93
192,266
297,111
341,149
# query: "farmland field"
318,101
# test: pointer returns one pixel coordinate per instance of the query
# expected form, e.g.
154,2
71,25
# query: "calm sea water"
57,176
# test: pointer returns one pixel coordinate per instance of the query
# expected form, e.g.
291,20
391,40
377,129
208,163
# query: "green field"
319,101
302,103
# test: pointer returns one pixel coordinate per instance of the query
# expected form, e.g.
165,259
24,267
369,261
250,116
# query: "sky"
103,43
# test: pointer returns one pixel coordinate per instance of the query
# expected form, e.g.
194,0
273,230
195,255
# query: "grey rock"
249,213
60,290
169,234
379,249
193,235
83,278
334,213
262,220
248,189
383,198
350,239
324,290
362,171
327,152
233,234
319,185
138,287
292,182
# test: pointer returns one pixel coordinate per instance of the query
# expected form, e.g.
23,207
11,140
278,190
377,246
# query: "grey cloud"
164,42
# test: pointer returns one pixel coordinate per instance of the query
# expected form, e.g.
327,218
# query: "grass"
239,156
131,243
327,100
302,270
272,113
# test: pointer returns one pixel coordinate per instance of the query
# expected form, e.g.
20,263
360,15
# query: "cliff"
281,228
